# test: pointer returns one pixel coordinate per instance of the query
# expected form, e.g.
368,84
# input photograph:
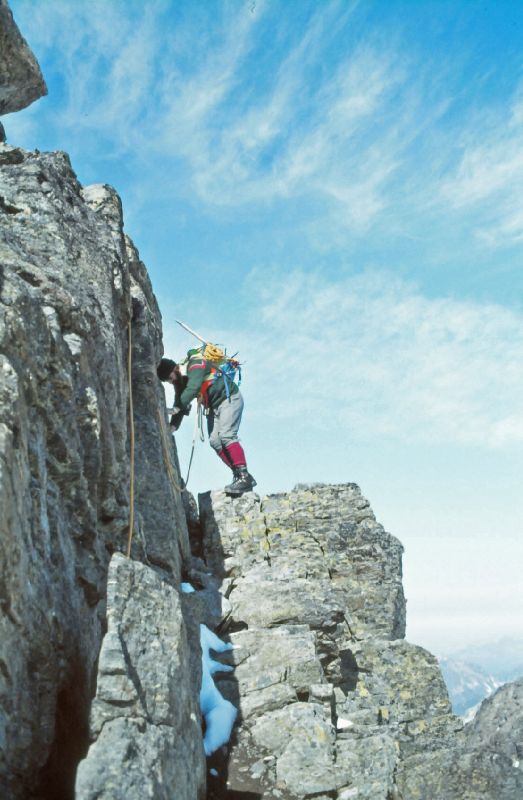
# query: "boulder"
21,81
146,728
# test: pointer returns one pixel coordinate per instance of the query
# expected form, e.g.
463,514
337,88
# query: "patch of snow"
219,713
470,713
343,724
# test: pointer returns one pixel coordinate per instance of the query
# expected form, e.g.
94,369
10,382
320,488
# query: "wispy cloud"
375,356
339,114
292,139
187,94
489,175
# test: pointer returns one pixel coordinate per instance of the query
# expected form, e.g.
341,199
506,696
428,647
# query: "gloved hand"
186,411
176,420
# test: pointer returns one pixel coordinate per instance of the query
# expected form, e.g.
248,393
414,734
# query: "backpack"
224,366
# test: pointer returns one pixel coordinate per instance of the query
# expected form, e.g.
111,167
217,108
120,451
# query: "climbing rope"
198,426
131,426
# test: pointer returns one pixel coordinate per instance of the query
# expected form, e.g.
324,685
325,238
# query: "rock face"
21,81
145,717
100,660
70,284
484,761
333,702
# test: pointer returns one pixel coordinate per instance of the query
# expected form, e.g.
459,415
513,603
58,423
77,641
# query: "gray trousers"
224,421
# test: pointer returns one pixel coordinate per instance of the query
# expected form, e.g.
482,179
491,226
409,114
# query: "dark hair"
164,368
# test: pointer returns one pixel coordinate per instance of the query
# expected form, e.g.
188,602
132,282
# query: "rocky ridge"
100,664
333,702
332,699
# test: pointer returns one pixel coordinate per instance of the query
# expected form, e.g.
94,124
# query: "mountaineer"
223,403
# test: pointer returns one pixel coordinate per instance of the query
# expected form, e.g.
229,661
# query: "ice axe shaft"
190,330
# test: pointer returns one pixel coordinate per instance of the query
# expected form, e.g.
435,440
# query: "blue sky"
333,189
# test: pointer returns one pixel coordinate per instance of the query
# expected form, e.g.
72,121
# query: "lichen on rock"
333,701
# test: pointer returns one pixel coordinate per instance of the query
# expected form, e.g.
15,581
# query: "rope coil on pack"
226,366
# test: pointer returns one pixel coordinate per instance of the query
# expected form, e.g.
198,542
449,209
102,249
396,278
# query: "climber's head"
167,370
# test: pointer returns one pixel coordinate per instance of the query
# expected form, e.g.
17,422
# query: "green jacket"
201,382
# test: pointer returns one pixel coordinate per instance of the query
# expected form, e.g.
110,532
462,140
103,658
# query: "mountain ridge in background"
475,671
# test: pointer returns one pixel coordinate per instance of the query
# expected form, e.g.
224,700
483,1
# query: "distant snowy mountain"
476,671
467,683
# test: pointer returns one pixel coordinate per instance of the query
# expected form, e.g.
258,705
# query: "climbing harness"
131,427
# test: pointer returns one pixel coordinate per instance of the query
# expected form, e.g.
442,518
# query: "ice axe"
190,330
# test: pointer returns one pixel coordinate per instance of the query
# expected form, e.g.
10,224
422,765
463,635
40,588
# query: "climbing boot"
243,482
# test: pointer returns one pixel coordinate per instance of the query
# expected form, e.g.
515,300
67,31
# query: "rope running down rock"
131,427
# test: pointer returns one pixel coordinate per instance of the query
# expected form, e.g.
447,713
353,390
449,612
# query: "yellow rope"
131,424
213,352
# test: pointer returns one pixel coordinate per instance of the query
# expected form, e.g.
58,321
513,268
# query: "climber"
223,404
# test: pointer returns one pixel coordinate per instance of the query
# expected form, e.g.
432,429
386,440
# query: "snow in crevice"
219,714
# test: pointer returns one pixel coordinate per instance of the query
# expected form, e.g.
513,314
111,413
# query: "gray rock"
301,737
272,668
370,764
70,281
484,762
21,81
193,522
333,701
319,553
145,719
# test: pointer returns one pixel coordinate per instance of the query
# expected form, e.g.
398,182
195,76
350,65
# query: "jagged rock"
377,722
370,765
317,582
301,737
316,555
272,668
485,762
21,81
398,685
193,522
70,282
145,719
